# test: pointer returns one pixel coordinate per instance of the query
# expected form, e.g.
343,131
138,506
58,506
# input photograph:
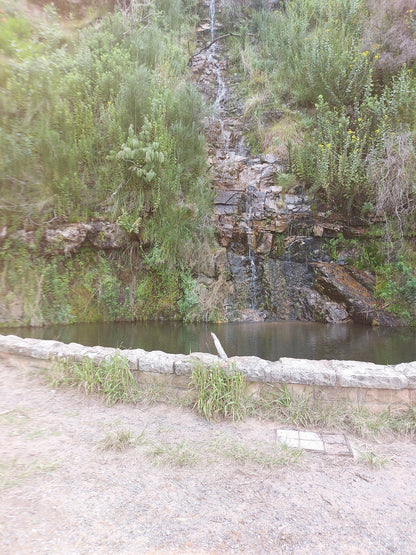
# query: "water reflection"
269,340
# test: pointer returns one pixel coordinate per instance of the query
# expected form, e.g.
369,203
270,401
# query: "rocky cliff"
275,240
271,259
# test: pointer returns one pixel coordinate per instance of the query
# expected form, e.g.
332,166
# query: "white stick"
218,346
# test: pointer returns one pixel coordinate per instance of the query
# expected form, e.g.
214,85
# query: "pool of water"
268,340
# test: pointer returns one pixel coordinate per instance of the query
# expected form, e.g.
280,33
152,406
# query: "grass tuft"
301,410
119,440
373,460
174,454
239,451
112,379
221,392
14,471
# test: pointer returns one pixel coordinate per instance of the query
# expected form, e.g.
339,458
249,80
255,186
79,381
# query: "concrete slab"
309,436
320,442
312,445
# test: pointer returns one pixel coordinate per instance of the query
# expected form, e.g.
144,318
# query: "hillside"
109,170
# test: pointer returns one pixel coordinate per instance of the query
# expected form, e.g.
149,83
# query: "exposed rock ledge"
359,382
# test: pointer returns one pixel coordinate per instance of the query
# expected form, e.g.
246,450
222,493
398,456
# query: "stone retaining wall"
363,383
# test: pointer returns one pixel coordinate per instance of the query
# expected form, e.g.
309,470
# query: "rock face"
335,282
275,243
70,238
271,260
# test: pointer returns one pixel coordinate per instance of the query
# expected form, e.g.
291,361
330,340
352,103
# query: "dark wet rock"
285,283
315,307
301,248
247,276
333,281
367,279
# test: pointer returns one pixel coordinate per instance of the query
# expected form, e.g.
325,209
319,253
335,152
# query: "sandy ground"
188,486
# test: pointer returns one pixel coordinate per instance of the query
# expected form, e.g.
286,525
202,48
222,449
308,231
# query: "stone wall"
360,383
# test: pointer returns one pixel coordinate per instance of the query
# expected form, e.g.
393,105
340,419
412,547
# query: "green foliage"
396,286
13,32
112,379
311,48
88,286
349,147
221,392
104,123
189,295
66,109
359,153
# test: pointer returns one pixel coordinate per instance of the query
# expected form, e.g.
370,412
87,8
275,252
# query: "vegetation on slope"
98,120
101,124
339,78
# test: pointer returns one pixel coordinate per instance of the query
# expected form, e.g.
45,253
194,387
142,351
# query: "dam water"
268,340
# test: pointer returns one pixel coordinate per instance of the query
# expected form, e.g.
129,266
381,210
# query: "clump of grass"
175,454
274,457
373,460
119,440
221,392
112,379
301,410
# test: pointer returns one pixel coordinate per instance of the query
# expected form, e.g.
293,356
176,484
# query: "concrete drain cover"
320,442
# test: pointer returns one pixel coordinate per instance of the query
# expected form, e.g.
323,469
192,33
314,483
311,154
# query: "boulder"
333,281
106,235
317,308
66,239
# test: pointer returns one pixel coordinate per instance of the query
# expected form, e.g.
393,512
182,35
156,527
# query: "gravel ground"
185,486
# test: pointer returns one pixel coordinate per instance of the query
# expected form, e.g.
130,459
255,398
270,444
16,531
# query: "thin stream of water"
212,54
221,95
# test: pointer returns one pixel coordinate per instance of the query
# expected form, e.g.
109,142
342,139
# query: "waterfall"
253,275
221,86
212,12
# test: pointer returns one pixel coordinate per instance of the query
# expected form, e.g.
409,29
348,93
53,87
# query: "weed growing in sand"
112,378
273,457
14,471
120,440
221,392
175,454
373,460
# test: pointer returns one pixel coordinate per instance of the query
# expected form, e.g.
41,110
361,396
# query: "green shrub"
396,286
358,157
311,48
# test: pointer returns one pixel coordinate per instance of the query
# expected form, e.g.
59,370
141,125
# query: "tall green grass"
111,379
221,392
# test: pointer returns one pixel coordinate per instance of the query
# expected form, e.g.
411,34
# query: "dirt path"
186,487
